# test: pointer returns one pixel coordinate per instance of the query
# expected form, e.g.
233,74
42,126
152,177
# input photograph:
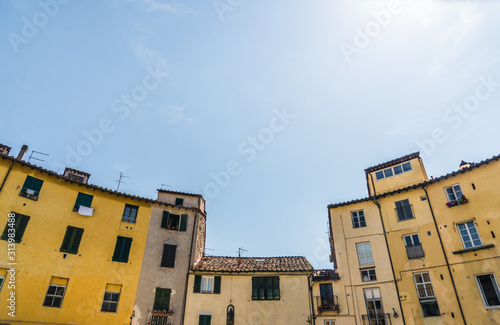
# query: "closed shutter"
217,282
162,299
20,224
183,226
164,219
168,257
197,284
122,249
84,200
34,184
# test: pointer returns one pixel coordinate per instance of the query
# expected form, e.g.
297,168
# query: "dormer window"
392,171
76,175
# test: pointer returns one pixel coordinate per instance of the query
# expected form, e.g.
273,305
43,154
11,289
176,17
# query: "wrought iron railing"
376,319
161,318
415,251
327,304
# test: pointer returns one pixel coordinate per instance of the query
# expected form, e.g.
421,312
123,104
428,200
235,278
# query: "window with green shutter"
162,299
197,284
168,257
122,249
164,220
83,200
266,288
16,225
179,201
31,188
72,240
183,225
205,320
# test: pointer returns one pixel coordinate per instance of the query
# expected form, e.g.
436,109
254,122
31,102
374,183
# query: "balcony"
376,319
161,317
327,304
415,251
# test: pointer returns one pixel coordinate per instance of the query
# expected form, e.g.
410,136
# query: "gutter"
311,301
195,223
445,257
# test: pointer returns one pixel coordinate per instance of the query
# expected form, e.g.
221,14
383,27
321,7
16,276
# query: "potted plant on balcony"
461,200
163,312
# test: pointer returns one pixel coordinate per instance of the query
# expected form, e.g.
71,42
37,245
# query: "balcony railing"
404,212
161,318
376,319
327,304
415,251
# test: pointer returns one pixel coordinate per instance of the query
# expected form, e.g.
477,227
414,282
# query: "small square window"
110,301
454,194
179,201
207,284
407,166
130,213
368,275
430,308
388,172
398,169
358,219
55,292
379,175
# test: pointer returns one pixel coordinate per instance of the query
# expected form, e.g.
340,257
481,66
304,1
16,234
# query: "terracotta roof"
423,184
253,264
95,187
180,193
324,275
394,162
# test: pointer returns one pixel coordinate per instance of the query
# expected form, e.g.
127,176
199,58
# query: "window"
365,256
329,322
469,234
2,280
55,293
174,221
327,301
413,246
31,188
16,225
162,299
374,306
179,201
266,288
426,294
111,297
122,249
488,287
454,193
71,240
358,219
404,210
391,171
168,256
205,320
207,284
130,213
368,275
83,200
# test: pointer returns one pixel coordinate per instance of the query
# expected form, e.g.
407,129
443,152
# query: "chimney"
464,164
23,151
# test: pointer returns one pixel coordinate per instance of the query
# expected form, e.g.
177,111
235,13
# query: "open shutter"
158,299
217,281
67,239
126,250
118,248
255,288
184,218
197,284
164,219
21,224
76,241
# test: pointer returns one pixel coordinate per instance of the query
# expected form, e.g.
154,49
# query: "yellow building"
71,252
439,236
249,291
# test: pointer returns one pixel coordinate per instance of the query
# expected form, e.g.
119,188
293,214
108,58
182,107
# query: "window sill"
128,221
29,196
472,249
454,204
68,252
367,266
399,220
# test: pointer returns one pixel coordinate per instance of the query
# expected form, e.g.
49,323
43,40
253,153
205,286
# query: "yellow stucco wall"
236,289
38,257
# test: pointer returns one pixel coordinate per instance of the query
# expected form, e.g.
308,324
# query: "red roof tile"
253,264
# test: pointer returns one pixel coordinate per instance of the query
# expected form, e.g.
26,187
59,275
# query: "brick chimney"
23,151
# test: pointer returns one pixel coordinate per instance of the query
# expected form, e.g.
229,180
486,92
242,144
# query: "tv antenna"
38,152
166,185
240,250
120,181
209,249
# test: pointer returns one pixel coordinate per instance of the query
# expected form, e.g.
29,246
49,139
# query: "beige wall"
236,289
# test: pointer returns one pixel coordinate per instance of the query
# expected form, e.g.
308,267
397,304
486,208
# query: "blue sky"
272,110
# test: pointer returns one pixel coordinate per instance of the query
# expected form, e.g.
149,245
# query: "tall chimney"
23,151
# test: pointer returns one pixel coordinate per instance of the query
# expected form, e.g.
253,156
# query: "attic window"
76,175
392,171
179,201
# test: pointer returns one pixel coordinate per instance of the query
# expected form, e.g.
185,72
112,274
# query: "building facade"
176,239
250,291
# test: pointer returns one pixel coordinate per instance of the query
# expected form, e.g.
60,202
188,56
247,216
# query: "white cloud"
159,6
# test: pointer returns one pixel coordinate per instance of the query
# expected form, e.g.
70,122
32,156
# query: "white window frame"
469,234
424,283
357,216
329,322
392,169
363,257
110,301
455,191
481,292
205,284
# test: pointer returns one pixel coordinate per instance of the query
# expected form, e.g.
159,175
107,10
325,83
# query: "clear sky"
270,109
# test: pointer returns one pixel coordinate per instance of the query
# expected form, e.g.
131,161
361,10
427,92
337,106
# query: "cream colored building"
249,291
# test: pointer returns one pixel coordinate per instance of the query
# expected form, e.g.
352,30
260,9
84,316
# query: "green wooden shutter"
217,281
162,299
118,248
164,219
83,199
67,239
21,224
205,320
126,250
197,284
276,288
78,233
184,218
33,183
255,289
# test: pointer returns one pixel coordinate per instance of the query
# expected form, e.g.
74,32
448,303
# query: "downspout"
7,175
389,253
195,223
445,257
309,284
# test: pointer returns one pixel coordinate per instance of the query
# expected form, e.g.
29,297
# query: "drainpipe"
445,257
195,223
7,175
309,284
390,258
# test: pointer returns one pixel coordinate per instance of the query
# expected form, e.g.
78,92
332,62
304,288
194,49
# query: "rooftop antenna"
209,249
239,254
38,152
120,181
166,185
